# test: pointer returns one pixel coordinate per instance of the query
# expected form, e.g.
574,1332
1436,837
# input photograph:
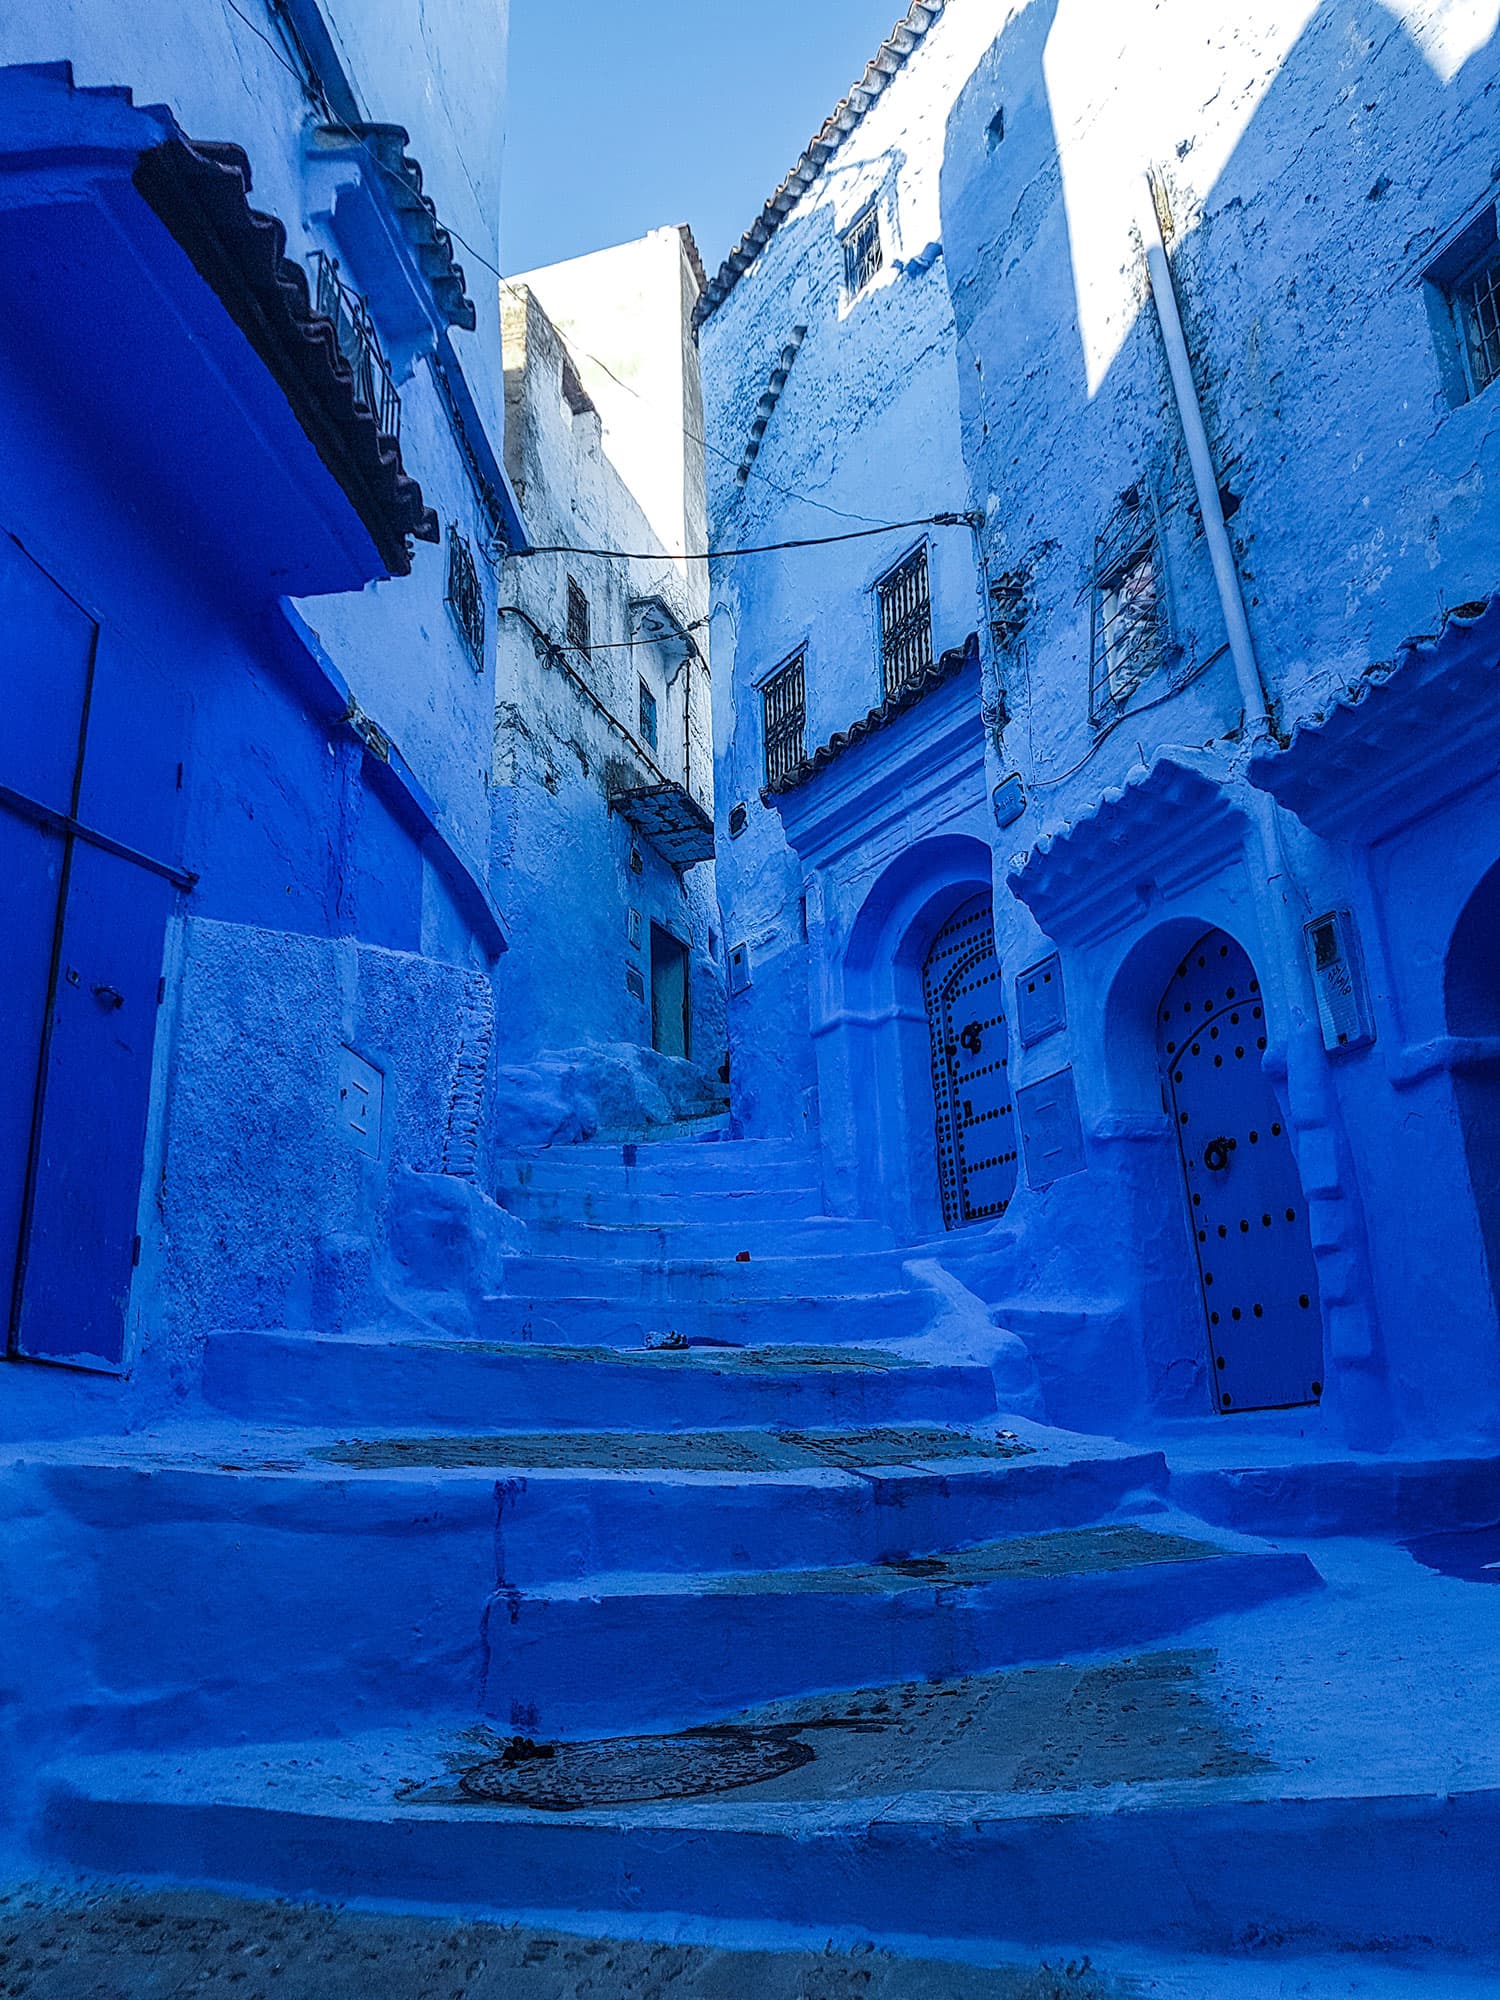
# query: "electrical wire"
762,549
1045,784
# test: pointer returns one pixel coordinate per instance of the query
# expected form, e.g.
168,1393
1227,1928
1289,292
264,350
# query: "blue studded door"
1255,1259
976,1139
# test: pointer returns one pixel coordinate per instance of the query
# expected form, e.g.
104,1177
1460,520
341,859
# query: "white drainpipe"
1190,413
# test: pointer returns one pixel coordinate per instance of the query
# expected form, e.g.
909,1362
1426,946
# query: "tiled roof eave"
200,192
945,668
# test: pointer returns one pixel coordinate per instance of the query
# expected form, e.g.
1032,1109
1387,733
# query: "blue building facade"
1213,351
252,452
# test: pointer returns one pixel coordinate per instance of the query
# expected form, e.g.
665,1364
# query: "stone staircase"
800,1629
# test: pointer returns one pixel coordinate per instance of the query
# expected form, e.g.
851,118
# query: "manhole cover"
632,1770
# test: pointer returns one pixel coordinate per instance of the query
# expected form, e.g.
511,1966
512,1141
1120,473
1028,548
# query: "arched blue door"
1249,1220
976,1139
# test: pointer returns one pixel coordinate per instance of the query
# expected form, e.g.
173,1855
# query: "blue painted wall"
331,726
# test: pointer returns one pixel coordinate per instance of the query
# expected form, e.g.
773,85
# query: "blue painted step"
332,1380
606,1321
802,1277
616,1653
1206,1867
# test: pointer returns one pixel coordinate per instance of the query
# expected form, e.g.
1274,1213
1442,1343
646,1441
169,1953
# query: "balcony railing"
354,331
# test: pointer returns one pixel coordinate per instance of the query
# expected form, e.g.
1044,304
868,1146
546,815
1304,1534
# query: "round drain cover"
632,1770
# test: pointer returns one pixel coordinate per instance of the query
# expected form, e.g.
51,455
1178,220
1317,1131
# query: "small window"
739,819
784,697
1128,633
464,597
863,255
905,622
580,636
1463,290
648,715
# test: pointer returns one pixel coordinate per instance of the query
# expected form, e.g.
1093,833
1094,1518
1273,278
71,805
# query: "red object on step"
742,1256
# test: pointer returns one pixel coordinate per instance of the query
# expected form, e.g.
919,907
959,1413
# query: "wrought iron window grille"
784,702
1476,303
863,252
580,633
354,333
1128,632
648,715
905,622
464,597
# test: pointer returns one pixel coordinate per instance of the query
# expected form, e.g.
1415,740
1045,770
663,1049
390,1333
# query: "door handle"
1216,1155
109,998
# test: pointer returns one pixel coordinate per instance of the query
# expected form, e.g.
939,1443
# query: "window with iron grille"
863,255
580,635
784,699
648,715
465,599
1476,307
1463,300
354,333
905,622
1128,641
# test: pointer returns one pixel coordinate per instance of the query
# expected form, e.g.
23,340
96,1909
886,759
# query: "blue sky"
627,114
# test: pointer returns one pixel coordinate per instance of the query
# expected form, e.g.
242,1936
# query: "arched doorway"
1255,1258
975,1128
1472,1003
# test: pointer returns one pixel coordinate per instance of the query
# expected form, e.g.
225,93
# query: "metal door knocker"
971,1038
1216,1155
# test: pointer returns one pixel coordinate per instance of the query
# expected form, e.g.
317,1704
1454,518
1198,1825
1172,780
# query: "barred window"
464,597
905,622
648,715
863,254
1477,303
784,697
1129,625
580,636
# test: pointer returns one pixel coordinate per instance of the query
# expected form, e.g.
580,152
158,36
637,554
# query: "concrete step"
762,1320
729,1208
660,1650
689,1170
208,1555
707,1237
1109,1801
718,1278
331,1380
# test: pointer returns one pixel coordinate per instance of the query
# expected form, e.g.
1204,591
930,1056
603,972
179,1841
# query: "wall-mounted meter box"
1339,979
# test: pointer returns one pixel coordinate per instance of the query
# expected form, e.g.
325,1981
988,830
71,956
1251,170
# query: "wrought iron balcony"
354,331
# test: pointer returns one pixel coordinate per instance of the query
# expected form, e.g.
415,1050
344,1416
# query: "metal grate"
464,597
905,622
1127,636
1478,300
863,255
648,715
580,635
784,697
354,332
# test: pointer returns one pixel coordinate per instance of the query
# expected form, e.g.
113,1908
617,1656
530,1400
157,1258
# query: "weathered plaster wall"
865,430
1311,159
